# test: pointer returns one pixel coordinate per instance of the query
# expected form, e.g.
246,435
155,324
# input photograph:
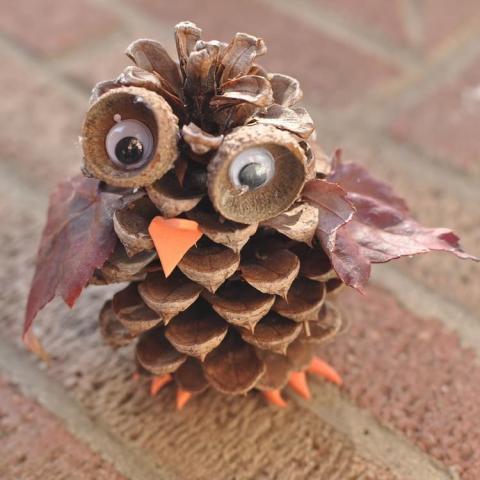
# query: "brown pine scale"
244,307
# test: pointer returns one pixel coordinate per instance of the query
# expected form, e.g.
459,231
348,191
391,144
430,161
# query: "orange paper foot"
324,370
158,383
275,398
298,382
182,398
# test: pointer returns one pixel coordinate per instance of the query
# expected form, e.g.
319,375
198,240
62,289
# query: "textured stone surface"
40,127
372,15
442,19
222,437
51,26
334,74
410,372
36,446
424,25
108,59
101,380
445,124
423,383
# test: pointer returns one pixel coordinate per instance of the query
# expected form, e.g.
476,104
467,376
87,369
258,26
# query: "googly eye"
257,173
252,168
129,144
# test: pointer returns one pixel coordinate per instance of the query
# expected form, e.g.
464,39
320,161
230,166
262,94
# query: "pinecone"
215,140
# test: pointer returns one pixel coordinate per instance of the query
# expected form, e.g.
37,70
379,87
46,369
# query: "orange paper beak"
173,237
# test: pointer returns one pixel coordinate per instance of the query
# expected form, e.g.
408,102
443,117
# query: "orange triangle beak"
173,237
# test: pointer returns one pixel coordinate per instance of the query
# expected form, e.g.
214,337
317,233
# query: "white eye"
252,168
129,144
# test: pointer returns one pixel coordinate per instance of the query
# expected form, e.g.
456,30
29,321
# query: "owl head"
213,129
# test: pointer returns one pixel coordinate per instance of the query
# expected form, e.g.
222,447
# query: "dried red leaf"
382,228
77,239
333,207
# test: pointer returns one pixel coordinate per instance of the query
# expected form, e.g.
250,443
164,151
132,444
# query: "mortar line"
411,89
372,439
412,21
348,32
438,71
381,444
422,74
44,67
134,17
418,298
431,170
132,462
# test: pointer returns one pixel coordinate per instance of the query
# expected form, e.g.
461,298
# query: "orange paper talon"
173,237
274,397
298,382
324,370
32,342
158,383
182,398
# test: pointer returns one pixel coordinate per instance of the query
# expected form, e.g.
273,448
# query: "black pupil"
253,175
129,150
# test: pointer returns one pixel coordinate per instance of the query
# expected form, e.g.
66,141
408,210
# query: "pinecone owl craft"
205,196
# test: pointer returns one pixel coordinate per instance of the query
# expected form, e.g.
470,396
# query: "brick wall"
397,85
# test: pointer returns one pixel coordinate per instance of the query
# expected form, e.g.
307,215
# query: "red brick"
51,26
332,73
437,20
377,15
39,135
441,18
414,376
36,446
445,124
104,61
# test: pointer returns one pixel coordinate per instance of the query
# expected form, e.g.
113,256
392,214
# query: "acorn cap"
139,104
277,195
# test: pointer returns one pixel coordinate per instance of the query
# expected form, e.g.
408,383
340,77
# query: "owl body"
228,286
204,193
